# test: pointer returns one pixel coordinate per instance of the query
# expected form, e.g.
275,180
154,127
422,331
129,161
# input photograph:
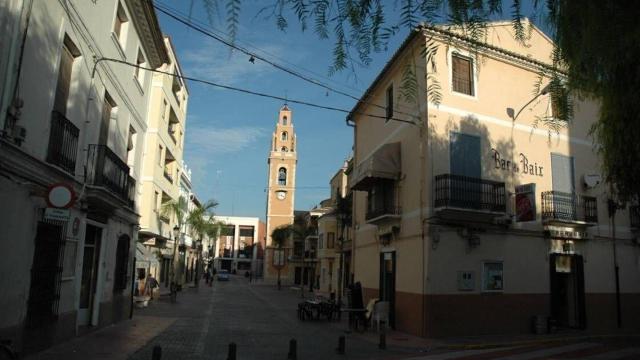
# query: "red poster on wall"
526,202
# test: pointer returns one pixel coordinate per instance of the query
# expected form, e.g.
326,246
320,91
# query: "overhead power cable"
251,92
172,14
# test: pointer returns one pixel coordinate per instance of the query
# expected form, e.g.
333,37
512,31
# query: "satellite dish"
591,180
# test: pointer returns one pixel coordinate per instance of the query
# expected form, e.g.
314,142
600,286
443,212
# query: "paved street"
261,320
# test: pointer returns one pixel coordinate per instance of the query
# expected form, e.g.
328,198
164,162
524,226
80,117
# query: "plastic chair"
381,313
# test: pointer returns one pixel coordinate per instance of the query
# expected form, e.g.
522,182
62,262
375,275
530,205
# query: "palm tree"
202,223
177,209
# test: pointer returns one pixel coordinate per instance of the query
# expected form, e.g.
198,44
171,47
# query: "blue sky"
228,133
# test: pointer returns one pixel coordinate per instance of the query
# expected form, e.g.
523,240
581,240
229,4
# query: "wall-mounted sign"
278,258
60,196
566,234
523,166
526,202
54,214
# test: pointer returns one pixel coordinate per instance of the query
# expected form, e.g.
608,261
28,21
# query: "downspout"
12,97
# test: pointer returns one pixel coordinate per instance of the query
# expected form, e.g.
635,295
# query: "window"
139,73
131,144
492,279
122,264
284,149
121,25
228,231
462,74
284,136
389,102
156,199
282,176
109,112
67,58
321,241
331,239
160,155
284,120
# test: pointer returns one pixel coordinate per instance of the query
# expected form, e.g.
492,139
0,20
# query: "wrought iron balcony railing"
470,193
382,210
571,207
106,169
63,143
634,215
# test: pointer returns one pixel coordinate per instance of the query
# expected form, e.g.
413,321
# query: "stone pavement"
261,320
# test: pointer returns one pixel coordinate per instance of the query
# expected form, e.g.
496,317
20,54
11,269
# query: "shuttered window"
108,106
462,74
464,151
64,76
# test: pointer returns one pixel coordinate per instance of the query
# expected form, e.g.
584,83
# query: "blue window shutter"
465,155
562,173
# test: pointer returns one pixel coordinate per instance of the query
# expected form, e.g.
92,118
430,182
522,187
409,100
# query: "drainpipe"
12,96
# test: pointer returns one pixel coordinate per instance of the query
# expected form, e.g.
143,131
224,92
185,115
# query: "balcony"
167,175
634,216
568,208
63,143
460,197
382,212
106,170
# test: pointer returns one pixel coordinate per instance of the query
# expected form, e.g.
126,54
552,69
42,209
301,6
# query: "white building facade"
71,120
238,244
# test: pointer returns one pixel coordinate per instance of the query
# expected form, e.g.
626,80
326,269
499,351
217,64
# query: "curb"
537,342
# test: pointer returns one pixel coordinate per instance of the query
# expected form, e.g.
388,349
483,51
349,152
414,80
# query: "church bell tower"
281,187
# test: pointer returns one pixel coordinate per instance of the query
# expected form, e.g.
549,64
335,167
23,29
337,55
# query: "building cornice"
148,28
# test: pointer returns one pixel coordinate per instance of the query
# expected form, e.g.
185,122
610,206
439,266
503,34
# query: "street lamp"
173,287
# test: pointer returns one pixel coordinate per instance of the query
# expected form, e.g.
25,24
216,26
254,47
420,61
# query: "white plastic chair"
381,313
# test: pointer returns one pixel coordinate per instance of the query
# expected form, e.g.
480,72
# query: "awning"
144,255
151,239
384,163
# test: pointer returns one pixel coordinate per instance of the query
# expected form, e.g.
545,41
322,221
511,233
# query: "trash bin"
540,324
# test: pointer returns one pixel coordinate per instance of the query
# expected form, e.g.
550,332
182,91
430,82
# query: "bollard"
340,349
157,353
383,342
293,349
232,352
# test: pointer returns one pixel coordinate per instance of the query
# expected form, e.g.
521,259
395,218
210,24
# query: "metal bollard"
157,353
232,352
293,350
383,341
340,349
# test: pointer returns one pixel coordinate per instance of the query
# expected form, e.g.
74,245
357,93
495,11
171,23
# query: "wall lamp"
510,112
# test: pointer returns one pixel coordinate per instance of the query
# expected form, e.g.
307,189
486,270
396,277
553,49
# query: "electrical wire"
232,45
251,92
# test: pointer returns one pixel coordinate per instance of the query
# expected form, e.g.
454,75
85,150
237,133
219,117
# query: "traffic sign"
61,196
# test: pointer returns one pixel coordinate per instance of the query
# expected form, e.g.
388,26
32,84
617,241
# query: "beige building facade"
281,185
470,217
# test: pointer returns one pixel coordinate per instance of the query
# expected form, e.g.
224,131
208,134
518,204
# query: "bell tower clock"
281,187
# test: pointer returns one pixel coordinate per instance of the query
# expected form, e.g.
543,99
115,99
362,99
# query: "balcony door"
464,161
563,181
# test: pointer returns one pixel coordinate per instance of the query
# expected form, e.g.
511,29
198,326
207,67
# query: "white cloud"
210,141
216,63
